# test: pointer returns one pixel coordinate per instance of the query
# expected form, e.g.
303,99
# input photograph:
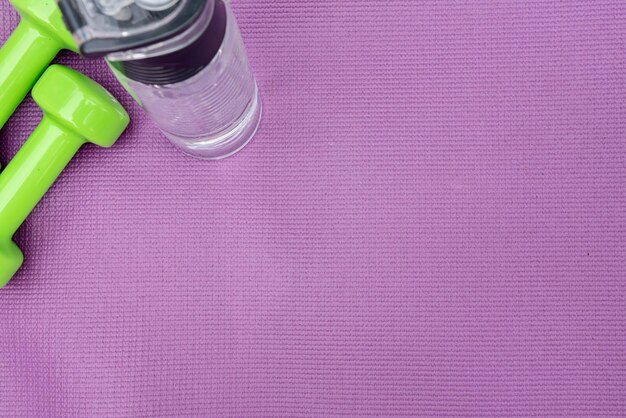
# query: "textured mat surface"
431,221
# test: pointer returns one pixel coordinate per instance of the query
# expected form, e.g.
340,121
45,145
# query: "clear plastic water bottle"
183,61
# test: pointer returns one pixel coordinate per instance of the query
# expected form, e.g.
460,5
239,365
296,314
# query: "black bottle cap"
101,46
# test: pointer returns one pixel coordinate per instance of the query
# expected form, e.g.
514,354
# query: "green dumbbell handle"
23,58
32,172
76,111
29,50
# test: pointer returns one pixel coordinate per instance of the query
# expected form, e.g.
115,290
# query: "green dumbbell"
76,110
29,50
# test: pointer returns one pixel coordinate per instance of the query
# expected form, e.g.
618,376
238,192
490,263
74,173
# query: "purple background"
431,220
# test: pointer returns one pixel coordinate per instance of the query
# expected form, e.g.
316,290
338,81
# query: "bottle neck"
174,63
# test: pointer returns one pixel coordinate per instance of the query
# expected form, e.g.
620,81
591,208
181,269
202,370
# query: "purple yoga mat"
431,221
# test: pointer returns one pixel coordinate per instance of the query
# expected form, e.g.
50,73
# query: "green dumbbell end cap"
11,260
47,16
80,105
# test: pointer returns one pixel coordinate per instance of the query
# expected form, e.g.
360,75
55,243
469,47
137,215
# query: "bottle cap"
102,27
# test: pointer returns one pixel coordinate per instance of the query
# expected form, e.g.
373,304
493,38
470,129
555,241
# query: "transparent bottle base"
228,142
